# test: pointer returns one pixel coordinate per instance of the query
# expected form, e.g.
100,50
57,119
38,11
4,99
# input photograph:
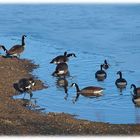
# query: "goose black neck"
65,53
3,47
120,75
105,62
101,67
135,89
23,40
77,87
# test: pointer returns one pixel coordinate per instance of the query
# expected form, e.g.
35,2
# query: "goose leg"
24,95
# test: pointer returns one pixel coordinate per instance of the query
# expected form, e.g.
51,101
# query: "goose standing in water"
61,69
105,65
88,91
121,82
100,75
62,58
16,50
25,85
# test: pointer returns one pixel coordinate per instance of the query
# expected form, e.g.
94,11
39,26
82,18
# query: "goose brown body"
89,91
136,101
16,50
61,69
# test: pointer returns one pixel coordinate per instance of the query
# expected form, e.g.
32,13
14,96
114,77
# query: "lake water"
94,33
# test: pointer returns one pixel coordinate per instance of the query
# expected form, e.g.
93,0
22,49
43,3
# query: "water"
94,33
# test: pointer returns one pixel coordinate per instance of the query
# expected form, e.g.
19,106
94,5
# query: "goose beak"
71,85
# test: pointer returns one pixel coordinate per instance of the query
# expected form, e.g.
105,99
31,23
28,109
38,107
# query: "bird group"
25,85
100,75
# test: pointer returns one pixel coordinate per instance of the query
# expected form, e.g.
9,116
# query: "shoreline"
16,119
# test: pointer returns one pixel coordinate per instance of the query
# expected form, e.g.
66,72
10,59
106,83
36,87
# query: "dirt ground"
16,119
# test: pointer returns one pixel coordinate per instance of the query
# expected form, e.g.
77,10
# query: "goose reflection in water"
63,83
31,104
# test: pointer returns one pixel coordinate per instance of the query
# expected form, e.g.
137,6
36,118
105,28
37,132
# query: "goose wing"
61,66
60,58
92,91
16,49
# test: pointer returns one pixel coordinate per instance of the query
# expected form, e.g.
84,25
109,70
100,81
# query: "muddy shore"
16,119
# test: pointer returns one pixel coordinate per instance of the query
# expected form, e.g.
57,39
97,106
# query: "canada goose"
120,82
100,74
61,69
88,91
25,85
136,90
136,95
105,65
16,50
62,58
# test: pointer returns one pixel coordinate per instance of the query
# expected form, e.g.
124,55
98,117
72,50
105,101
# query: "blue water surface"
93,32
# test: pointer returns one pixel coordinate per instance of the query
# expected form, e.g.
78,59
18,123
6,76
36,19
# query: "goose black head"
65,53
31,81
73,84
3,47
132,85
105,61
24,36
119,72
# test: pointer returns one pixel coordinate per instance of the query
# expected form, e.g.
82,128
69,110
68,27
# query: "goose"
62,58
105,65
16,50
25,85
136,90
88,91
136,95
100,75
120,82
61,69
